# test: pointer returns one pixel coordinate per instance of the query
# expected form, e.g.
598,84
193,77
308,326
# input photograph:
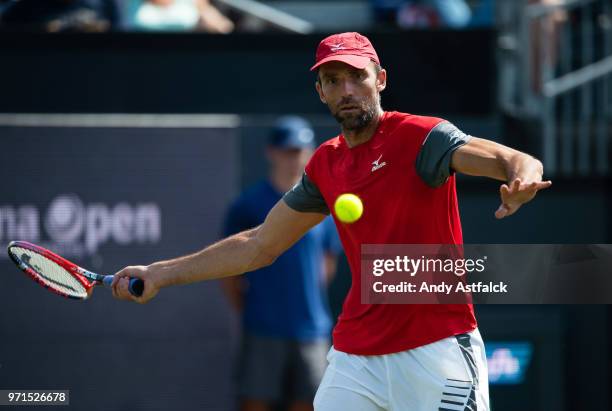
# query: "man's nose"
348,88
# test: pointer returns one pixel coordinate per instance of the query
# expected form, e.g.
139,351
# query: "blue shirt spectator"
286,319
286,299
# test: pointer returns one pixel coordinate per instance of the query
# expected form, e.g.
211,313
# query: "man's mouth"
349,108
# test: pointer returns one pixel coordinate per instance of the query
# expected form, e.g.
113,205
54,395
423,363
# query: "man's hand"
517,193
480,157
145,273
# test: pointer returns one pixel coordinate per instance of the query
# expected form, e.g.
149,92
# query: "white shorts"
450,374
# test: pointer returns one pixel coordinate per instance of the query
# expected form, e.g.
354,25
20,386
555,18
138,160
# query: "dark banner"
106,192
430,71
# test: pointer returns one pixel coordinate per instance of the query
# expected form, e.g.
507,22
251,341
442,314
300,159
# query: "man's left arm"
447,149
521,172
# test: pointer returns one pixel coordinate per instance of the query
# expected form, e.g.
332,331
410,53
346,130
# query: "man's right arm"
237,254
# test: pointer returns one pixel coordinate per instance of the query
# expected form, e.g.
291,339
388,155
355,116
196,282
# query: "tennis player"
384,357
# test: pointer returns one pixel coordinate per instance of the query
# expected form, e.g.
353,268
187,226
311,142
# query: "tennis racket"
60,275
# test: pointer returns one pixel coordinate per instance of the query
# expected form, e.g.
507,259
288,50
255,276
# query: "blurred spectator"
422,13
61,15
483,13
285,315
545,54
179,15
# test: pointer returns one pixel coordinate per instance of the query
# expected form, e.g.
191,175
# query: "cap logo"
348,48
337,47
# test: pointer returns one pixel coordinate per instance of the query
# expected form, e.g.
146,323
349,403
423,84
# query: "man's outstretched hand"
517,193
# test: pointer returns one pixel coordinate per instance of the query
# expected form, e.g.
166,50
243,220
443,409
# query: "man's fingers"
504,190
539,185
543,184
502,211
516,186
511,188
120,287
115,289
123,288
506,210
127,272
115,281
118,275
515,193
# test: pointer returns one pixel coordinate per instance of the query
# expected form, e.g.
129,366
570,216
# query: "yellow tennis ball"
348,208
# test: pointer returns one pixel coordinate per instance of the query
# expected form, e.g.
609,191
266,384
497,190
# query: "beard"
358,120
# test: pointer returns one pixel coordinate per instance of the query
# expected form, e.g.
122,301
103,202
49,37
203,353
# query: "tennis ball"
348,208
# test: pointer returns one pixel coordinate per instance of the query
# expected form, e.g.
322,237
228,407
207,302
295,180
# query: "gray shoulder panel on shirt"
305,197
434,158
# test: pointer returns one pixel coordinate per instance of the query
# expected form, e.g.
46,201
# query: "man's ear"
381,80
320,91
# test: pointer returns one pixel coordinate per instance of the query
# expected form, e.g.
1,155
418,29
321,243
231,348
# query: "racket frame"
86,278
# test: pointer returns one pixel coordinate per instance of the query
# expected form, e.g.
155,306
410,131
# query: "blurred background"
128,127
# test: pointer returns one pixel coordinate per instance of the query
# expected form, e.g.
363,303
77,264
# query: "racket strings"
51,273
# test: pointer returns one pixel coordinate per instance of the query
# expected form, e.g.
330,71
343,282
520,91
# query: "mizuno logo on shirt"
377,164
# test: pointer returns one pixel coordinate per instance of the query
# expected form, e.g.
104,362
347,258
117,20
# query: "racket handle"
136,285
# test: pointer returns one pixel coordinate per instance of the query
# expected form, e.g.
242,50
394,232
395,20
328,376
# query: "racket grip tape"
136,285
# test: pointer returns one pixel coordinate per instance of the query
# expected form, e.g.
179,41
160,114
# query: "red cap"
350,48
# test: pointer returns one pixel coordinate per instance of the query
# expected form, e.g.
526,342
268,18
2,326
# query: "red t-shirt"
399,208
